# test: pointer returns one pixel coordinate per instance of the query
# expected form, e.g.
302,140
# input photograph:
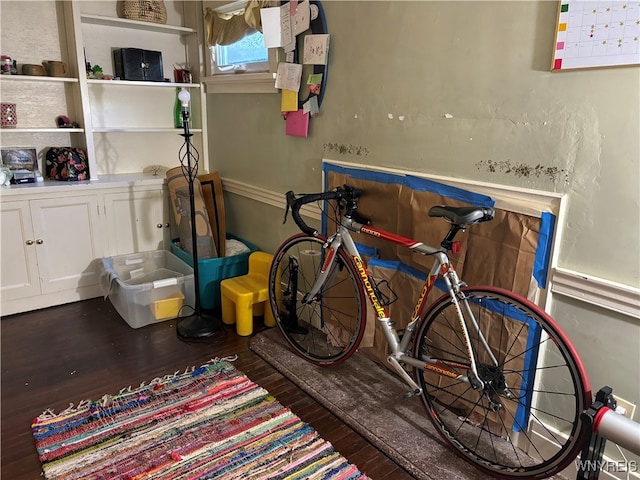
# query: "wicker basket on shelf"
143,10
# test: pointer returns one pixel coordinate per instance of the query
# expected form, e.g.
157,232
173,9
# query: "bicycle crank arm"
405,376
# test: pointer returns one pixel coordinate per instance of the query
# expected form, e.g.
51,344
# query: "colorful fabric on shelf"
208,422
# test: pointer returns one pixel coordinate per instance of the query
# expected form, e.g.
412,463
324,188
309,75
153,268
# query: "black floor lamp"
198,326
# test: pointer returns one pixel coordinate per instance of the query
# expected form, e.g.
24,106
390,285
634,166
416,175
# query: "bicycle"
489,397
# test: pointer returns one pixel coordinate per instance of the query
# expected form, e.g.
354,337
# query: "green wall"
462,89
485,64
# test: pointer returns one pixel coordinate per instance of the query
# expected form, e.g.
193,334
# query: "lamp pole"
199,325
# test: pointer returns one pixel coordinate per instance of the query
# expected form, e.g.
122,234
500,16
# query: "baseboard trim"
596,291
267,197
27,304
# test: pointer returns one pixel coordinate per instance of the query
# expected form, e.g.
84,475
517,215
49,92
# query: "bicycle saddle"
462,216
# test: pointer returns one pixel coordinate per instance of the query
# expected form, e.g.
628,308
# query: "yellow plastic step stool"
247,296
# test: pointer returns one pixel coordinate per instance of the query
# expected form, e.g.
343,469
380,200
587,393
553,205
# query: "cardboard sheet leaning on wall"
181,214
212,194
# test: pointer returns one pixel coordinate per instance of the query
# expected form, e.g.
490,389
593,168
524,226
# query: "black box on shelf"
24,176
138,64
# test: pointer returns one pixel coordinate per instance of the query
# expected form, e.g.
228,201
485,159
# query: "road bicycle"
495,372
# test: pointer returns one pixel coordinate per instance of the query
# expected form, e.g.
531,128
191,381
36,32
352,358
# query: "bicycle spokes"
290,300
321,321
520,416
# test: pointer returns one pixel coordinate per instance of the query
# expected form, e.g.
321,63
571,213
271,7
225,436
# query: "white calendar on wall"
592,34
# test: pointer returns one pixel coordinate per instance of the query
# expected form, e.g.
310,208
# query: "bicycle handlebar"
345,194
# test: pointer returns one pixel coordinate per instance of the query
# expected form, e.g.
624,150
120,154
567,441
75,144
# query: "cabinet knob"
29,242
159,225
39,241
166,225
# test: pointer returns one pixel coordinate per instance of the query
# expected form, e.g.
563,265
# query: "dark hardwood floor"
61,355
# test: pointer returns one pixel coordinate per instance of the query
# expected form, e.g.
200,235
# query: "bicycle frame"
480,397
399,345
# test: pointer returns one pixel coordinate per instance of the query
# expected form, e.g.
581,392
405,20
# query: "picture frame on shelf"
22,163
20,158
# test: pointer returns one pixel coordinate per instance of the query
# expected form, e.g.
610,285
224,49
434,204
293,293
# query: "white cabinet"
55,236
18,264
137,221
68,239
49,246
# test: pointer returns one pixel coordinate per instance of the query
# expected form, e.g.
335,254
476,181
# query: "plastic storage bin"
213,270
148,287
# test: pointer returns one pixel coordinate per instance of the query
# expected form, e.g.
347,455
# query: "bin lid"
153,276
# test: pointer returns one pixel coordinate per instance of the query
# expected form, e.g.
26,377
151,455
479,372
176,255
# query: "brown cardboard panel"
378,204
397,284
507,245
214,200
416,223
499,253
181,214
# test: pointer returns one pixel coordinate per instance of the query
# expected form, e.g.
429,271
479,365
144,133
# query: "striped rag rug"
208,422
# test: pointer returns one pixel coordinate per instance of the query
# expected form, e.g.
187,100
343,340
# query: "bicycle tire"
539,367
328,330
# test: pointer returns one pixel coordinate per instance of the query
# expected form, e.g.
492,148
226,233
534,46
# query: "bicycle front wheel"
520,416
325,329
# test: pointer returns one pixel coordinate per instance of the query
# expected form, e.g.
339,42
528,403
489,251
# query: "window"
248,54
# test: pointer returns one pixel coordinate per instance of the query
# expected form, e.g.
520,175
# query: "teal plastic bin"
211,271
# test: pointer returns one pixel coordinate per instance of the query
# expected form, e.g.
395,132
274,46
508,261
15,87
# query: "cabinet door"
135,221
18,265
68,241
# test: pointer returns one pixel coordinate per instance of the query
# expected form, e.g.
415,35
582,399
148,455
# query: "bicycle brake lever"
291,197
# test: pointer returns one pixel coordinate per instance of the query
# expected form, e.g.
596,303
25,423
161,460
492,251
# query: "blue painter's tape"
424,185
361,174
543,249
416,183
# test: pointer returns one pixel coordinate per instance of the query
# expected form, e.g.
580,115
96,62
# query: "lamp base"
201,328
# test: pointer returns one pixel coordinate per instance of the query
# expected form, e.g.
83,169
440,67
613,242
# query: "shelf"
130,83
42,130
135,24
37,78
142,130
130,121
241,83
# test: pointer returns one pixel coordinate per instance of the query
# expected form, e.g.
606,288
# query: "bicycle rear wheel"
524,422
326,329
